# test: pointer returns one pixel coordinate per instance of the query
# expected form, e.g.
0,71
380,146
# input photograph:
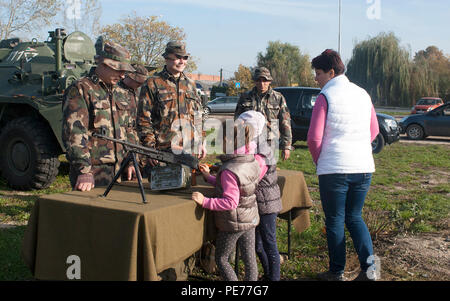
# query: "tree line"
380,64
391,77
144,37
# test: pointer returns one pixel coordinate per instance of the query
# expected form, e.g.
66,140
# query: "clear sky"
226,33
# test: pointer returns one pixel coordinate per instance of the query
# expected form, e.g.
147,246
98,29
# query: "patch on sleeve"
73,92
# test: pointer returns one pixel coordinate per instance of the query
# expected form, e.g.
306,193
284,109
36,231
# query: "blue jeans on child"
343,198
266,246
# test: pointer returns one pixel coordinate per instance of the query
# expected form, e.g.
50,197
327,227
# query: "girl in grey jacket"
235,208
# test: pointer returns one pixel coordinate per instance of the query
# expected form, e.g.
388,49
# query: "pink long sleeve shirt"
317,127
230,185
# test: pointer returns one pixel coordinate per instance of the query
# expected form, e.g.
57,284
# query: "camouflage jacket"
273,106
123,91
91,106
165,105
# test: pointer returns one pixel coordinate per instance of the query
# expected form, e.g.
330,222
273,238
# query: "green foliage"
382,67
243,76
288,66
217,89
12,266
438,66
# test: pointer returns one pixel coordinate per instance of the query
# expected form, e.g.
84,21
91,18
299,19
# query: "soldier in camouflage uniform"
90,106
130,87
169,109
272,105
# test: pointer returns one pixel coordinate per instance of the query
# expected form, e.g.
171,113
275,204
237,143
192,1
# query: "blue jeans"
266,246
343,198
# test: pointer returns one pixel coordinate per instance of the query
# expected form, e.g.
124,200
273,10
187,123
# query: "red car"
426,104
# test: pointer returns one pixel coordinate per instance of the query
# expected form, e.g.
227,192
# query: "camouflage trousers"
103,175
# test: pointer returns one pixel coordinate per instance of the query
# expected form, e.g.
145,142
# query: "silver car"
223,104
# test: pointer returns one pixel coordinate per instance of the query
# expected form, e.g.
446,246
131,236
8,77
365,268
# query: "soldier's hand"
85,182
198,197
152,162
131,173
286,154
201,151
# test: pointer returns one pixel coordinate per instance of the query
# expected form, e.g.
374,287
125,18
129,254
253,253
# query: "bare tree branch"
18,16
145,38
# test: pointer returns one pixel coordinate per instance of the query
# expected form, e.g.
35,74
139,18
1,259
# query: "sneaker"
329,276
362,276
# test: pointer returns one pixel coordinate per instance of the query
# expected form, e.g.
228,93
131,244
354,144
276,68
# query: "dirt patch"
420,257
437,178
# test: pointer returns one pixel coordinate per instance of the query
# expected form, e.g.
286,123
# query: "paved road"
392,109
221,117
428,140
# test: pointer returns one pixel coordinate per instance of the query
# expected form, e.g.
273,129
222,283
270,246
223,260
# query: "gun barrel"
164,156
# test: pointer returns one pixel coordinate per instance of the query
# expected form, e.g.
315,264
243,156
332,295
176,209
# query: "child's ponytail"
242,134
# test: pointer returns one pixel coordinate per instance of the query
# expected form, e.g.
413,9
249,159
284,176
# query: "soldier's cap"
175,47
115,56
262,72
140,74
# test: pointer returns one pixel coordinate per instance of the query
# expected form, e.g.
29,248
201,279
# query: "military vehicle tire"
28,154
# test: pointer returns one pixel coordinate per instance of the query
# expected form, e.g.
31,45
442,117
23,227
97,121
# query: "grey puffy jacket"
245,216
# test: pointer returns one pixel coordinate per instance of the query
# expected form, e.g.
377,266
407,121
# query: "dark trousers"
266,246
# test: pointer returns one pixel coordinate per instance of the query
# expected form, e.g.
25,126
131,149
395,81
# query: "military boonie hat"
140,75
262,72
175,47
114,56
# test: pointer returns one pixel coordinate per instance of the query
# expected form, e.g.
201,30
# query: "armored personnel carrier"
33,77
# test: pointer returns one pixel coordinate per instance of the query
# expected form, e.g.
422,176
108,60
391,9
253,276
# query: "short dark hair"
327,60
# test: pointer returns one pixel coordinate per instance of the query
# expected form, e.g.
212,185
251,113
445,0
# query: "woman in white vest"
343,125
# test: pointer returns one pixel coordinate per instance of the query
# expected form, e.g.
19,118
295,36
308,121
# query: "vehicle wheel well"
14,111
383,133
380,141
419,125
416,123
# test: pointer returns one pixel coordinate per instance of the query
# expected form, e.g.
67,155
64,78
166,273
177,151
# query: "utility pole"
220,85
339,36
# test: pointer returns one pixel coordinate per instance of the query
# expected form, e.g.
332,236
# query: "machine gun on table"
133,149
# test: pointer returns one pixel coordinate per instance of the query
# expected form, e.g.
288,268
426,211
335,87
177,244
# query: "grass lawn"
410,194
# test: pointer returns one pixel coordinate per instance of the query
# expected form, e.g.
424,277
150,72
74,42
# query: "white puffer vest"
346,145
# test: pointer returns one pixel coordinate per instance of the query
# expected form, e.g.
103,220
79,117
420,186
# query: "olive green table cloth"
119,238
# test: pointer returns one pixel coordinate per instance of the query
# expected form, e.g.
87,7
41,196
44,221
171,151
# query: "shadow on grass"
64,168
301,146
12,266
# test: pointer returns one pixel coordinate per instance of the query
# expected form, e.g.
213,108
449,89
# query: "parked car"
433,123
223,104
301,100
199,89
426,104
